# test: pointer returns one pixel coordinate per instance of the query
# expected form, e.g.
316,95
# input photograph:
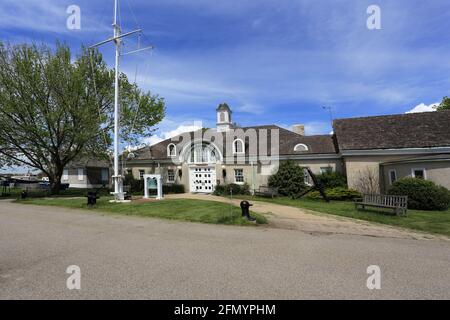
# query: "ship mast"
117,39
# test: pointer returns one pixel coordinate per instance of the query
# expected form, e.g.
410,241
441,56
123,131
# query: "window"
392,176
239,175
170,175
238,146
326,170
80,174
171,150
222,117
141,174
203,153
65,175
301,147
419,173
105,175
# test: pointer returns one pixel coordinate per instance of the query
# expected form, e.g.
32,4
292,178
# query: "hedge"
422,194
226,189
339,194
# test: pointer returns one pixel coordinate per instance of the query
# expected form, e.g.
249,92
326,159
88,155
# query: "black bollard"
91,198
245,207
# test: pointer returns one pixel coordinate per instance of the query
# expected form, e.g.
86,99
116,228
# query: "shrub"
173,188
338,193
422,194
137,185
289,179
332,180
224,189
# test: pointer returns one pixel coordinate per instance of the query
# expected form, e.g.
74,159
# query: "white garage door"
202,179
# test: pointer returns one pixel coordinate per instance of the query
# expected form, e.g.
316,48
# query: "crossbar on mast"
115,38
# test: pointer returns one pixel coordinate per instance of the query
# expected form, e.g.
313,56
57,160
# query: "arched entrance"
202,158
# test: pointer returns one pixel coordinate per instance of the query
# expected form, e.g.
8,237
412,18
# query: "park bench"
399,204
266,191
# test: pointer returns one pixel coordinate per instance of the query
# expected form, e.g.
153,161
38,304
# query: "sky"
273,61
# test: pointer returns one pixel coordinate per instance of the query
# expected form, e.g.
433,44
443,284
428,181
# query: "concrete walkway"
286,217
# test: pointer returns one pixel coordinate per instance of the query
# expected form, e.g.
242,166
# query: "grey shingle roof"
318,144
413,130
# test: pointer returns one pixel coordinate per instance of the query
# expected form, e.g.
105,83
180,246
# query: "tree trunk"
55,182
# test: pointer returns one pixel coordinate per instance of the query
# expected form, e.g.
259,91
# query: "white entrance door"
202,179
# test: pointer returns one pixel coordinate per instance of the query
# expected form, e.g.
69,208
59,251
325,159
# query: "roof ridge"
394,115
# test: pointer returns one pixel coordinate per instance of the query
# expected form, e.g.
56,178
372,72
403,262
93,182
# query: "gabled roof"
319,144
224,106
412,130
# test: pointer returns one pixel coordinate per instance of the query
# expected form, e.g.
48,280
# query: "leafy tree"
289,179
444,105
55,108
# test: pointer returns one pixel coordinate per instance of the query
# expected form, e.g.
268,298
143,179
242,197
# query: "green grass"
437,222
175,209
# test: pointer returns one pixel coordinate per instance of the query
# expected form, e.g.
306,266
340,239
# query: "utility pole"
117,39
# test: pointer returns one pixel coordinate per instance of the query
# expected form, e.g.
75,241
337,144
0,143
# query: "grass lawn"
427,221
176,209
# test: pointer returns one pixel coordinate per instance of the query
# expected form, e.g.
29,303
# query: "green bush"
422,194
226,189
332,180
289,179
137,185
173,188
339,194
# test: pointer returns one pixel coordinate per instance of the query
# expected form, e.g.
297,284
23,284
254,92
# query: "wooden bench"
266,191
399,204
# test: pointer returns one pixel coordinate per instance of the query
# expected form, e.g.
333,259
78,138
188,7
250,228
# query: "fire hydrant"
245,207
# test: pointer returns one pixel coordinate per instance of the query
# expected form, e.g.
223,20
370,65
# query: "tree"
444,105
368,181
54,110
289,179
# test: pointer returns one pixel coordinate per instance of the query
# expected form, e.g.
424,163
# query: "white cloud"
424,108
154,139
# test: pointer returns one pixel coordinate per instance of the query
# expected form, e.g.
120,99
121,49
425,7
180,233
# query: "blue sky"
272,61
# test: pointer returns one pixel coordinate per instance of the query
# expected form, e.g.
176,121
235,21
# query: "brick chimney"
299,129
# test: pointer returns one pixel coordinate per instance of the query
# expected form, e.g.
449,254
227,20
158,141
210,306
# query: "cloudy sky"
272,61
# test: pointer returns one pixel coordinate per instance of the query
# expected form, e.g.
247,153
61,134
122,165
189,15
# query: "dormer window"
171,150
238,146
301,147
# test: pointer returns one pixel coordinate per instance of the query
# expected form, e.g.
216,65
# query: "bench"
399,204
266,191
